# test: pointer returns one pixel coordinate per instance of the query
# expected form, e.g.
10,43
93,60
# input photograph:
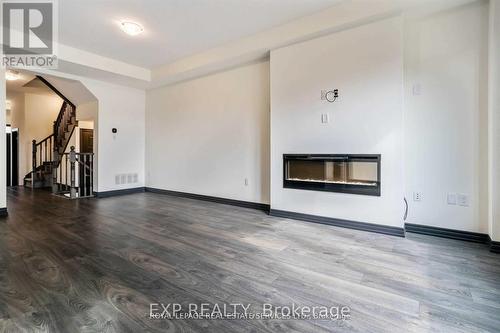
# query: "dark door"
86,140
9,159
86,146
15,157
12,158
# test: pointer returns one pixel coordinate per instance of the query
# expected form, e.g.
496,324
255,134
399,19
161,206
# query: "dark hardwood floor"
95,265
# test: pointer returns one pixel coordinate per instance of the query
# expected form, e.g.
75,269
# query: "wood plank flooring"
95,265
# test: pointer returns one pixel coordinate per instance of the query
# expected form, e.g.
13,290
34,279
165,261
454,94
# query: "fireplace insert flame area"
344,173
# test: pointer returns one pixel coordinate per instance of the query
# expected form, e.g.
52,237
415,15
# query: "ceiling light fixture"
131,28
11,75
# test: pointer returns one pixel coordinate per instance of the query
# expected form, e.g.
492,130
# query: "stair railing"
66,180
67,112
42,152
49,153
62,135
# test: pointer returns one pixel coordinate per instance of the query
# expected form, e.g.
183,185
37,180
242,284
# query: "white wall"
17,117
207,135
366,65
8,116
122,108
40,113
446,122
3,152
494,121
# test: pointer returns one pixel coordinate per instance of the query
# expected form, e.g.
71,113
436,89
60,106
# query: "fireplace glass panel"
358,174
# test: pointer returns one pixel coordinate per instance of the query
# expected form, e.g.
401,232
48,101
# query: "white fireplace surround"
366,65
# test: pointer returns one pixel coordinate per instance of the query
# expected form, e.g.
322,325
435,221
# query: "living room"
251,158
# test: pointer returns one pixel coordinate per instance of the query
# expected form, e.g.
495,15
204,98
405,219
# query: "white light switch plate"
452,198
417,89
463,200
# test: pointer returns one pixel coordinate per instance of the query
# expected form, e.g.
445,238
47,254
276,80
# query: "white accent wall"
207,135
446,126
3,143
122,108
366,65
494,121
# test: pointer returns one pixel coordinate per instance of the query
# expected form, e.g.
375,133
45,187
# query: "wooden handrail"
59,117
55,90
44,140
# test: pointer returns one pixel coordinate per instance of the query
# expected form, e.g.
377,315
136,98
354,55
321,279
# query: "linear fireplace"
355,174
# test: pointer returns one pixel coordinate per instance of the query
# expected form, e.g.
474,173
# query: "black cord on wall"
406,209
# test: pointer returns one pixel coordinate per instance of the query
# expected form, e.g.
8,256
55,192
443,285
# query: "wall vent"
126,178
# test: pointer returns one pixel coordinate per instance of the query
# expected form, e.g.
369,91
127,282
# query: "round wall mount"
330,96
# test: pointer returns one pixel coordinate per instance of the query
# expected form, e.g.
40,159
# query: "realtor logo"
29,33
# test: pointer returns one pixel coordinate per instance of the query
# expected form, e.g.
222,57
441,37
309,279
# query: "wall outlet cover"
452,198
417,196
463,200
417,89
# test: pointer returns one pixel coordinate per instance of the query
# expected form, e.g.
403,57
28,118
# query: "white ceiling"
27,83
173,28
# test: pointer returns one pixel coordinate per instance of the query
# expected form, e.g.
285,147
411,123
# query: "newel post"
55,187
33,149
72,160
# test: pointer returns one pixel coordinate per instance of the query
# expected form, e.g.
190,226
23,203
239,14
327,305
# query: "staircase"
55,168
48,153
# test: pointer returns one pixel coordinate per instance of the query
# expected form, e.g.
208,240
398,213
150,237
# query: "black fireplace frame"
329,187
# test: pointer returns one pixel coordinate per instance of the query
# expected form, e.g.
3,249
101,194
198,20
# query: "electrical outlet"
325,119
417,89
246,181
417,196
452,198
463,200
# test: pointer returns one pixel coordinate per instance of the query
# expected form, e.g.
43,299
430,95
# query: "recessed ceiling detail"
173,29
